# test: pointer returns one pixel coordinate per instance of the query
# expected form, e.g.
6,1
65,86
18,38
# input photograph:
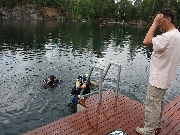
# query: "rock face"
30,13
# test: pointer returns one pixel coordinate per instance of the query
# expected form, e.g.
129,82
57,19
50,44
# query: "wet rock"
30,13
5,14
33,16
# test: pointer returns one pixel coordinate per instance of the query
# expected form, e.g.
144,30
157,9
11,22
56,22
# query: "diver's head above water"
51,79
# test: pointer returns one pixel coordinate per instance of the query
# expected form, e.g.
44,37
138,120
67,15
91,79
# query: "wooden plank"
173,110
171,104
171,126
175,130
113,113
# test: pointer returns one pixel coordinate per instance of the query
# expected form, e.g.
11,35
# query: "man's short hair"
167,12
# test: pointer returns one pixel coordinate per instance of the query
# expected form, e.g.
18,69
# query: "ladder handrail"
102,79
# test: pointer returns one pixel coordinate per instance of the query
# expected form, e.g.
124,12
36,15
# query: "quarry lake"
31,50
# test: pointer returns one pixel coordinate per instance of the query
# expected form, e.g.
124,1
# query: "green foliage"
125,10
151,7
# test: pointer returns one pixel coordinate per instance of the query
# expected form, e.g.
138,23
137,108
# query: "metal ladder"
102,77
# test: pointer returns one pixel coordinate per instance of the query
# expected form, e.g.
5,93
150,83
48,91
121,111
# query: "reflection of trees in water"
90,37
132,37
25,34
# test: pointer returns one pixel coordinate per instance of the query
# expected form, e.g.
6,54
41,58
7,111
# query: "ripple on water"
61,52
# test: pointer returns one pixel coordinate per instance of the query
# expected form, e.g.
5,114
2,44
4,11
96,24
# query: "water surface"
32,50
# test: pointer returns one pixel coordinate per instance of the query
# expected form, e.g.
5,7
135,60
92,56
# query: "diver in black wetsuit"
80,84
51,81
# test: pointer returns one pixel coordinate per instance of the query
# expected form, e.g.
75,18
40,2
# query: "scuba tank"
76,90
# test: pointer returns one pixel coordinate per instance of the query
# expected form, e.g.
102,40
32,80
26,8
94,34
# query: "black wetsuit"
51,84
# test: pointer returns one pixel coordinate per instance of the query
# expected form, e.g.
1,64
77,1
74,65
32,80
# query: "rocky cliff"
29,12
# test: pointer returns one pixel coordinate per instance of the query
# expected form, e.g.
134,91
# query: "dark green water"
32,50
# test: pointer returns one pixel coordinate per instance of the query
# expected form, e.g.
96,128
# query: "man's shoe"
143,132
140,130
159,125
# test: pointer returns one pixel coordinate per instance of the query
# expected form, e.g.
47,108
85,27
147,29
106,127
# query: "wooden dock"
113,113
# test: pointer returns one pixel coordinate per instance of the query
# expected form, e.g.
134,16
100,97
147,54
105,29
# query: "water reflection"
32,50
20,35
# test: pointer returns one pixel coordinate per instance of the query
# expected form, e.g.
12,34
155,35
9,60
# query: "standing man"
164,65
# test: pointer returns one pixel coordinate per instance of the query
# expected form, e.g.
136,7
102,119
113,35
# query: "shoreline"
48,13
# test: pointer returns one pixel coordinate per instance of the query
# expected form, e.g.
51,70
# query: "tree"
125,10
151,7
138,7
95,9
108,8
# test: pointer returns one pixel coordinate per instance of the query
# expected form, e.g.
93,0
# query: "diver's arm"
94,84
83,86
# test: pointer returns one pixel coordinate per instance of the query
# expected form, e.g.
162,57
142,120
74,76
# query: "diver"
51,81
80,84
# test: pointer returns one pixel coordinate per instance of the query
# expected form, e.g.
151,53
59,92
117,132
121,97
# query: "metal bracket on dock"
118,78
100,86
